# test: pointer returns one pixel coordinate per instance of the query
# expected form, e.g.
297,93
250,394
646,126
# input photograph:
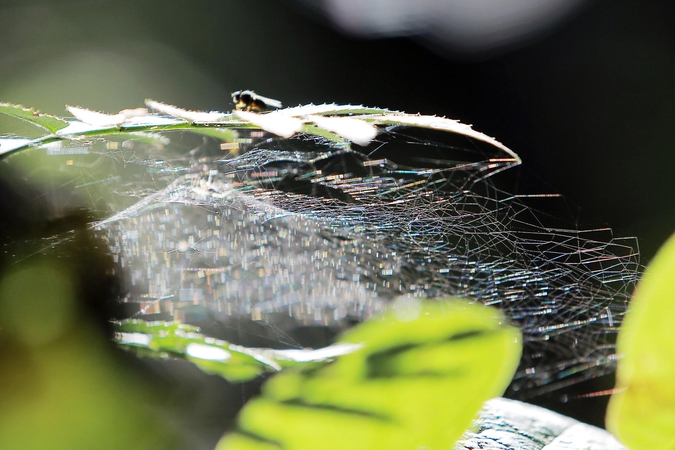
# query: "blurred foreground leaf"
59,386
423,372
642,413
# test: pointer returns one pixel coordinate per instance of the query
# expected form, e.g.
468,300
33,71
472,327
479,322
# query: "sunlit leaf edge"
45,121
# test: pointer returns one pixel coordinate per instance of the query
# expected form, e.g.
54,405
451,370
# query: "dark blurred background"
583,91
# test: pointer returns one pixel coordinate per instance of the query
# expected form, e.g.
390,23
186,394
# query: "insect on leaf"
424,371
642,413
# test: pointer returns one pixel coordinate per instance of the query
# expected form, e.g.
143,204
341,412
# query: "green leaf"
222,134
49,123
341,125
328,135
423,372
642,412
173,339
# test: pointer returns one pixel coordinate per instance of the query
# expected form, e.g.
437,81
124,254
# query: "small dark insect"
250,101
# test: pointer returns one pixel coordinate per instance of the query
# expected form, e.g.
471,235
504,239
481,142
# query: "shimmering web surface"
301,232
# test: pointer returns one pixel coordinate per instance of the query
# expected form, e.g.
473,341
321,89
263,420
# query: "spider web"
301,232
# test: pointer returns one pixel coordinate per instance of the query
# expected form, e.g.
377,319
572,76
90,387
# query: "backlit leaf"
642,412
424,371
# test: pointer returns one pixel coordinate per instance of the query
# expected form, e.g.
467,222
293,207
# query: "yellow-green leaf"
422,374
642,412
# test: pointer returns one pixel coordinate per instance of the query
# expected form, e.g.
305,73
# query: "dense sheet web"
276,235
303,232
